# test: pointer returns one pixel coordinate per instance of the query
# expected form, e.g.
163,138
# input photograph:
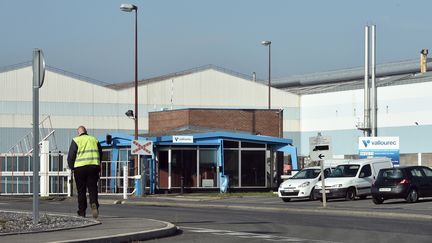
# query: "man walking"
85,153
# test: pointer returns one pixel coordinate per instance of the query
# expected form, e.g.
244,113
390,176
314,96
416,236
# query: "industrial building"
329,103
70,100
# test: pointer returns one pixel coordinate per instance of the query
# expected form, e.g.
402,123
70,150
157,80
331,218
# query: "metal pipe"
36,159
136,85
366,125
269,78
374,107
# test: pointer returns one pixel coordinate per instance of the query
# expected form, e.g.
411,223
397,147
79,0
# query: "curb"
168,230
325,211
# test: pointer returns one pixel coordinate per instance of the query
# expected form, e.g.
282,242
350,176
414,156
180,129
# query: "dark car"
409,183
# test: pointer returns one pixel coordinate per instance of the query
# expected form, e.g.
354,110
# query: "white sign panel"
142,147
320,148
182,139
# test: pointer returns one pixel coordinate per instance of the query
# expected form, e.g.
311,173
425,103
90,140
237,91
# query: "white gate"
16,175
112,178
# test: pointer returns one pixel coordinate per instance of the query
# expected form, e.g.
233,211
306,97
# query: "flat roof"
207,138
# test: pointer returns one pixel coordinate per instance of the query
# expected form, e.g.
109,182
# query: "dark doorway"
184,165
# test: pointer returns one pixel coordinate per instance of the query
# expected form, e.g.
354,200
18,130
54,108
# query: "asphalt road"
265,220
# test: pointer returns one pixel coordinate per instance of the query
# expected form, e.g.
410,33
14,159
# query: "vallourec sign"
370,147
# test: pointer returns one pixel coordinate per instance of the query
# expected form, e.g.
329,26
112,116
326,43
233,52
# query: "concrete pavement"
120,229
110,229
397,209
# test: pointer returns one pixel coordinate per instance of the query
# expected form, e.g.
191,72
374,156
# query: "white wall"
72,102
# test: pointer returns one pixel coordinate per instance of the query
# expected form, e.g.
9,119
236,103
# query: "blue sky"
95,39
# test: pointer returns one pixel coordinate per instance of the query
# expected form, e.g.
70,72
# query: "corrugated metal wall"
71,102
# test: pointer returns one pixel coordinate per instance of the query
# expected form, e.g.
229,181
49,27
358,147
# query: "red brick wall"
167,120
264,122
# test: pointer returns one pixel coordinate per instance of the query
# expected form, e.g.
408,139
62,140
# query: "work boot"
81,214
95,211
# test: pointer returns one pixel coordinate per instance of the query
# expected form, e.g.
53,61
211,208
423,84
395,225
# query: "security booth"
205,161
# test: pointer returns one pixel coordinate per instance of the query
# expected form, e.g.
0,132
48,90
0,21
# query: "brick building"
253,121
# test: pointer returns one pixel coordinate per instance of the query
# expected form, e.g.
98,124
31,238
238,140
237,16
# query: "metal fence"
112,177
16,174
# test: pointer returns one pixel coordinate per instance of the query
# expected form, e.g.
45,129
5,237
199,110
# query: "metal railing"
112,177
25,144
16,175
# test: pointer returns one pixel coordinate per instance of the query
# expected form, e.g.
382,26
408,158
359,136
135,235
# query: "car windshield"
345,171
307,174
391,174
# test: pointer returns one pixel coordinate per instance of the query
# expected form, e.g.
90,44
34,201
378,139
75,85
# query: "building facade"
329,103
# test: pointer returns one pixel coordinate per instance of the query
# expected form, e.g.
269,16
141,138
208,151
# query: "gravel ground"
19,222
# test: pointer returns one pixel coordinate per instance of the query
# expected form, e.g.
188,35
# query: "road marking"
251,235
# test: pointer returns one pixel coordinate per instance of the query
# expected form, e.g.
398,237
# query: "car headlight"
304,184
337,186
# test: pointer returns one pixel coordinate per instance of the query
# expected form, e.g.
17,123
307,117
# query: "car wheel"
377,200
350,194
412,196
286,199
312,195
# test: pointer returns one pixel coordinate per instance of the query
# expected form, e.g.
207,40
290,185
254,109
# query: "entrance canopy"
207,139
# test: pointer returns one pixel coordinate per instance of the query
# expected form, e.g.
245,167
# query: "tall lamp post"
268,43
130,8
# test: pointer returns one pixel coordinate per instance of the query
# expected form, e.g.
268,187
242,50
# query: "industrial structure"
328,103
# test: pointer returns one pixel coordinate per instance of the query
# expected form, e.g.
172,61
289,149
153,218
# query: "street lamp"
268,43
130,8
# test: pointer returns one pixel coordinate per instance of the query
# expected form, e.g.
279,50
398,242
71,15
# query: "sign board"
182,139
320,148
370,147
38,68
141,147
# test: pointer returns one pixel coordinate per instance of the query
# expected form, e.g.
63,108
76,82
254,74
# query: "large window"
245,163
231,166
163,168
207,167
253,168
184,165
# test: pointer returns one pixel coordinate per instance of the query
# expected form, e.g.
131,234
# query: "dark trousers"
86,178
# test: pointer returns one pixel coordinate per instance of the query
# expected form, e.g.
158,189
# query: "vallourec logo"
379,143
366,142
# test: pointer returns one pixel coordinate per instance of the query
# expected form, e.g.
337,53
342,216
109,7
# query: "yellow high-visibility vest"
87,153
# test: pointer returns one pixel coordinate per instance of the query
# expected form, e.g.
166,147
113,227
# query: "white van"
301,185
353,178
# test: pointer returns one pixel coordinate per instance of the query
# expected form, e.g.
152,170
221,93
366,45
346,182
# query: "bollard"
182,185
125,181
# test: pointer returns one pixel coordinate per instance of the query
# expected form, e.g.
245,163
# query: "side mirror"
362,175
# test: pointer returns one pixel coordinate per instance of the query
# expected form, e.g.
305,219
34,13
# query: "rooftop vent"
423,60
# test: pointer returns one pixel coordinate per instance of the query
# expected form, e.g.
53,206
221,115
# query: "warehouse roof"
388,74
130,84
181,73
348,79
